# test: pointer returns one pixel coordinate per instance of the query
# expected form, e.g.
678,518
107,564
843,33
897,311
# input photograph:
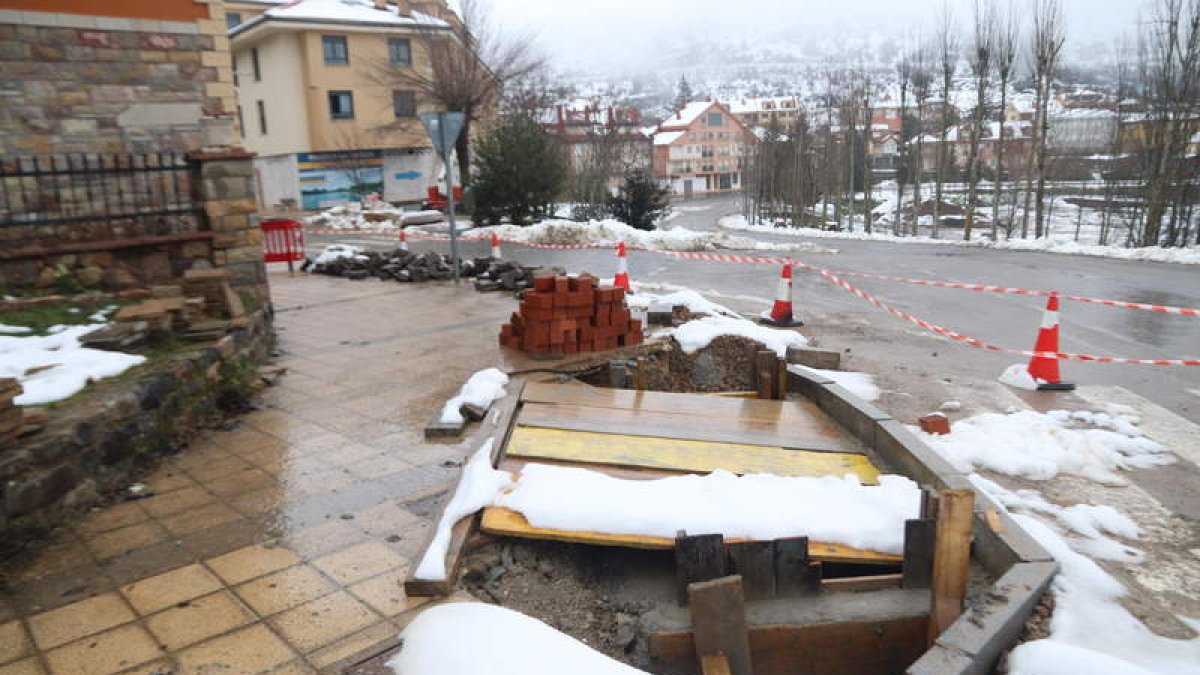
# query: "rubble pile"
406,266
568,315
11,417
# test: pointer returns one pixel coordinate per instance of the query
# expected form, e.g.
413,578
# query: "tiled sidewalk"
280,545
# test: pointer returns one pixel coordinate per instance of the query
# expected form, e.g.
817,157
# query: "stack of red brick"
568,315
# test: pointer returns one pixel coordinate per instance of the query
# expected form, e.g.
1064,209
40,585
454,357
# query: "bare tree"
470,64
947,41
904,72
1172,80
982,52
1049,36
1007,34
922,85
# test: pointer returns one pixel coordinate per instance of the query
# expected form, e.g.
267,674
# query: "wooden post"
795,574
951,559
781,379
698,558
919,540
764,365
639,374
719,622
754,561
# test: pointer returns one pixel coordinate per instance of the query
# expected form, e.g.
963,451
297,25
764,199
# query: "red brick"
562,285
570,347
635,325
538,301
619,295
587,345
587,333
935,423
505,331
604,295
587,282
620,317
544,284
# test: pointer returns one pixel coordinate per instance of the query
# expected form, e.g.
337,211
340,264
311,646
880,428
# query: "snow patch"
696,303
861,385
556,232
481,390
1017,375
61,365
14,330
501,642
334,252
696,335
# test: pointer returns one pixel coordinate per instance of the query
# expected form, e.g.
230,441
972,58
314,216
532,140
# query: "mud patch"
725,365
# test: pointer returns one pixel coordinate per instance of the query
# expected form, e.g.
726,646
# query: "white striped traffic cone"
622,278
496,246
403,240
1044,369
781,312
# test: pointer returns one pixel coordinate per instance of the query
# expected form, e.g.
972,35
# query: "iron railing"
153,190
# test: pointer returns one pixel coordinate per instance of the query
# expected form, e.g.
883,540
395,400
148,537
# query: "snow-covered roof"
667,137
1083,113
362,12
753,105
690,113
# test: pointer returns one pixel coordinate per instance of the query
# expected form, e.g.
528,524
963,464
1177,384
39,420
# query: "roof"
667,137
355,12
779,104
690,113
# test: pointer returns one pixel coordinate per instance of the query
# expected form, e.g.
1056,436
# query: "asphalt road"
909,358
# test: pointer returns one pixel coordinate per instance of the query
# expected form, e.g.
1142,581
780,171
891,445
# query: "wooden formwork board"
506,522
682,455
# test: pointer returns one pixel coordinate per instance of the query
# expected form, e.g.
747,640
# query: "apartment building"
701,148
317,98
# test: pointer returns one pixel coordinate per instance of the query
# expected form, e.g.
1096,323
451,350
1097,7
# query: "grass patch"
42,318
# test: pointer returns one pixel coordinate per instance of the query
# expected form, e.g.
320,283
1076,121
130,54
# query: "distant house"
1016,137
884,150
325,129
587,133
763,112
1083,130
701,148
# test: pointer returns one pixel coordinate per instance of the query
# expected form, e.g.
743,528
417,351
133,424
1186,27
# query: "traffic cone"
622,278
781,311
403,240
496,246
1044,369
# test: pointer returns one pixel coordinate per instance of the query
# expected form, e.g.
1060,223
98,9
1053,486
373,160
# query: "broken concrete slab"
439,429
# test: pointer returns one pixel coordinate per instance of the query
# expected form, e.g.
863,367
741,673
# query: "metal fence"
152,190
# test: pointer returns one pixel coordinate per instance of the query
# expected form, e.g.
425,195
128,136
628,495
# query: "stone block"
856,415
1000,551
216,59
908,454
940,660
988,628
223,168
23,497
806,382
825,359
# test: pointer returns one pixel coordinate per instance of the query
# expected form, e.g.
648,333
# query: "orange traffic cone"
1044,369
496,246
622,278
403,240
781,311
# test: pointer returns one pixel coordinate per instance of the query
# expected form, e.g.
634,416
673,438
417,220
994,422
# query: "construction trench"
953,602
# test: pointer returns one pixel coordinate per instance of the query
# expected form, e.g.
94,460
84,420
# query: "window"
232,20
404,103
400,51
334,47
262,118
233,60
341,105
254,64
241,123
715,119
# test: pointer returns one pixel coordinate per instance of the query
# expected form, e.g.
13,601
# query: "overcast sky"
579,32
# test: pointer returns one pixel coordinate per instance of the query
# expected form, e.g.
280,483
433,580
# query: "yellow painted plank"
683,455
506,522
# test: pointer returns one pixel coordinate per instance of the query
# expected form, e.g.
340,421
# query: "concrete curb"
1024,569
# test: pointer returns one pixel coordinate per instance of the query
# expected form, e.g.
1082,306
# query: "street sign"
443,129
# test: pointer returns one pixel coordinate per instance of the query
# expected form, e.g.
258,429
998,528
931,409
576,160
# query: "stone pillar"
224,181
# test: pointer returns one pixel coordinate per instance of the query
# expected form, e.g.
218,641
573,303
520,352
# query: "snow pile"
14,330
57,365
480,391
762,507
1018,376
696,303
502,642
696,335
334,252
611,232
1090,632
376,216
477,488
1041,446
1187,256
861,385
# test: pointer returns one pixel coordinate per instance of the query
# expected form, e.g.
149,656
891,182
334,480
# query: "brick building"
590,136
701,149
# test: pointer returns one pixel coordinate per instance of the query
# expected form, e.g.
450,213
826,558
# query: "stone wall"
78,83
99,441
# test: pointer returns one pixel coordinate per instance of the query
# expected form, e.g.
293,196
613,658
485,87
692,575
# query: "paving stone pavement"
280,545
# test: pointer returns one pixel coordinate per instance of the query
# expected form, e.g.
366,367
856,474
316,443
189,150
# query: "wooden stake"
781,379
754,561
951,559
920,537
698,558
719,622
764,365
715,664
639,374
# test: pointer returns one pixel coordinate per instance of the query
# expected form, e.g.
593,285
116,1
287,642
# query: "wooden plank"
874,582
498,425
684,455
719,622
507,522
801,436
754,561
764,374
734,405
880,647
919,540
951,559
698,558
795,574
715,664
514,465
